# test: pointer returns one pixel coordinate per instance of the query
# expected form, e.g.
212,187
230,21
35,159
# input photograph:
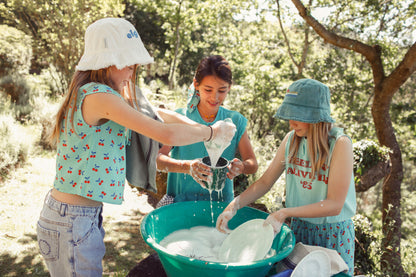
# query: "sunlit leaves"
57,28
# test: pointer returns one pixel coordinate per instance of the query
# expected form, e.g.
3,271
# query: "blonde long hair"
79,79
318,145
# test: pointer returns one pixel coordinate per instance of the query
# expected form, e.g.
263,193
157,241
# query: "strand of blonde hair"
318,146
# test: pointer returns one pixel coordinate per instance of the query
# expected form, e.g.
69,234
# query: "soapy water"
215,182
215,148
217,145
199,242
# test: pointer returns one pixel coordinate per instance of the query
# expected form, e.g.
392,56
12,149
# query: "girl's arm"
247,155
267,180
167,164
164,161
256,190
195,168
338,184
169,116
199,171
100,106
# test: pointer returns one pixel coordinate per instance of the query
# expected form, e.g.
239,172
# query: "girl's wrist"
188,167
283,213
244,167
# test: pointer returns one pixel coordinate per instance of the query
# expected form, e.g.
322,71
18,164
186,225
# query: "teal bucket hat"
308,101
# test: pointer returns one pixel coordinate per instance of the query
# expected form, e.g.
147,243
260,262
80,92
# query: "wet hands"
235,168
223,132
276,220
228,213
200,172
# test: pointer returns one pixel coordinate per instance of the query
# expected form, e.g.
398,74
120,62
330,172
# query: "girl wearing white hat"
92,130
317,160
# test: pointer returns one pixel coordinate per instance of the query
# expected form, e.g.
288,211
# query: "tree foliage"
15,51
57,28
192,29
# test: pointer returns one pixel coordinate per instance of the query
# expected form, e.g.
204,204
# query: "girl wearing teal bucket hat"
317,159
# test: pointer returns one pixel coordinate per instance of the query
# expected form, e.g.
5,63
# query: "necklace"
207,117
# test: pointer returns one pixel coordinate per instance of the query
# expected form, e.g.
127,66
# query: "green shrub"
14,146
15,51
18,92
367,153
364,246
408,212
44,105
409,255
30,96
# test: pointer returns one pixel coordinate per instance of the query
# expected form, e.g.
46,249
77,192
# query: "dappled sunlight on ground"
21,201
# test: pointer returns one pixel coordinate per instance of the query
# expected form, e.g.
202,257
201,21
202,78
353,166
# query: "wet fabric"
182,186
141,151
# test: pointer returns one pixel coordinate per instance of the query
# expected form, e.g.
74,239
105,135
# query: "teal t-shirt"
182,186
301,191
90,160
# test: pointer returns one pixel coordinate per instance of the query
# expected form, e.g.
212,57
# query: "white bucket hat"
301,251
112,41
316,264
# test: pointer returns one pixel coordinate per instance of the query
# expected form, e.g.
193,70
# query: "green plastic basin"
184,215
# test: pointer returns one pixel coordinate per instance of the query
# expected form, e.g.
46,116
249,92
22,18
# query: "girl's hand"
276,219
199,172
223,132
228,213
235,168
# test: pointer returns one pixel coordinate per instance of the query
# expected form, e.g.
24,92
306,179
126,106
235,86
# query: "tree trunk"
177,44
391,218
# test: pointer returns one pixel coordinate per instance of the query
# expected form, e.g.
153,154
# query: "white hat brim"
316,264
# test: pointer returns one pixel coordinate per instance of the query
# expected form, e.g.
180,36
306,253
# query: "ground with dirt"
21,201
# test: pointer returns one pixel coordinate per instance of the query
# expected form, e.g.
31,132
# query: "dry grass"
21,201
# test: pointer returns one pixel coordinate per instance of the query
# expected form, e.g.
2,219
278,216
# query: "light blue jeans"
71,238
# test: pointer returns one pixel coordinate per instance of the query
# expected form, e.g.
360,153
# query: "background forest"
363,50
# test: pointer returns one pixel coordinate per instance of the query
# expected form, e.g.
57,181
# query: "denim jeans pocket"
48,241
89,248
82,227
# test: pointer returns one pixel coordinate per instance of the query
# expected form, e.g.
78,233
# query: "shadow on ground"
27,263
125,249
